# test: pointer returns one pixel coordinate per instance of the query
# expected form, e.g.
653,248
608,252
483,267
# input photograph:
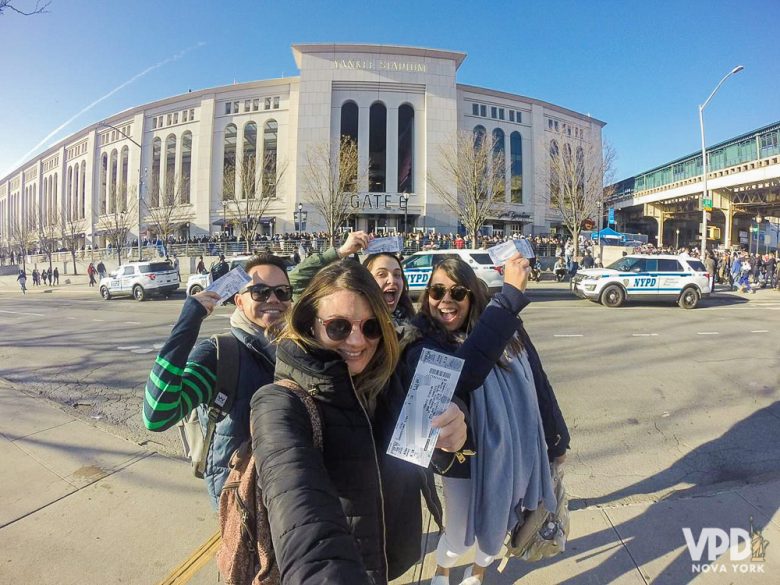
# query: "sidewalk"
81,506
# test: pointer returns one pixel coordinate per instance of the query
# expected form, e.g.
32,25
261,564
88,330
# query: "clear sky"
641,66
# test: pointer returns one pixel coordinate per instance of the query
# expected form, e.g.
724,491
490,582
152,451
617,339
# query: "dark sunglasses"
457,292
261,292
339,328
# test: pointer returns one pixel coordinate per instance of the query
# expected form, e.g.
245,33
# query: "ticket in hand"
502,252
390,244
228,285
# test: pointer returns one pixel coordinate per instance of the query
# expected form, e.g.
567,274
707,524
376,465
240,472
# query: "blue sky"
641,66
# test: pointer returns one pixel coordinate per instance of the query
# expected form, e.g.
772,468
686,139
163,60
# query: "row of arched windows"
250,169
75,190
171,177
515,158
113,181
377,144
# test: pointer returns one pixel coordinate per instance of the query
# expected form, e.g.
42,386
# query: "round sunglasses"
339,328
457,292
262,292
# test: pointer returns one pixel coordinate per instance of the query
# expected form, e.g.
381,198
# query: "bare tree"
116,225
257,189
39,8
72,231
331,182
578,173
24,232
471,181
48,231
165,213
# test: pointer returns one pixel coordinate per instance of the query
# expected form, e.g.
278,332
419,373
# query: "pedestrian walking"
201,267
49,275
36,276
91,271
101,269
22,280
44,276
56,275
175,264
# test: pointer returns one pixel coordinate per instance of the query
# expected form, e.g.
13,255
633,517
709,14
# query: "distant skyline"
641,67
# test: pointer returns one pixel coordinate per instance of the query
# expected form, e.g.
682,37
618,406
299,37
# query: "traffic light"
713,232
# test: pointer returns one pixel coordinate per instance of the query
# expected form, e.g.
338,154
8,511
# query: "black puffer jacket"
350,514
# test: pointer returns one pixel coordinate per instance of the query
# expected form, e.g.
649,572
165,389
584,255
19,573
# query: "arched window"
499,159
580,161
55,191
170,171
555,169
377,148
155,183
229,163
103,178
82,188
479,136
186,166
113,187
270,139
75,199
123,179
516,167
70,187
405,149
349,131
249,162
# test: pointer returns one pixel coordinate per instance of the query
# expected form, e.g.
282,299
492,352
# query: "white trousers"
452,544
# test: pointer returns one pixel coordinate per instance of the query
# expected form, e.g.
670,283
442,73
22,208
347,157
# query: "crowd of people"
340,509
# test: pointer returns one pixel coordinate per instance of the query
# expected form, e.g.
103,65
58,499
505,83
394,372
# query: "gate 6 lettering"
645,282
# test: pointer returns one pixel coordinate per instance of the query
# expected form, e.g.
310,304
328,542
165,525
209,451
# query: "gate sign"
611,216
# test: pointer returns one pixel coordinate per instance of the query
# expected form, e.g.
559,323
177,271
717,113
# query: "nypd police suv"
419,266
647,277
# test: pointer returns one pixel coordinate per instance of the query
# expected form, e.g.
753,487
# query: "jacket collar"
259,345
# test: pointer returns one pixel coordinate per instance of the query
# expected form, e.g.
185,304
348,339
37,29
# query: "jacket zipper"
379,478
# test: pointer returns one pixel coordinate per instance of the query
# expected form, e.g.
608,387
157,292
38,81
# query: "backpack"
246,553
196,441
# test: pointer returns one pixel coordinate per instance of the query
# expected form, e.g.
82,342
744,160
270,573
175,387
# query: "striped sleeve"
182,377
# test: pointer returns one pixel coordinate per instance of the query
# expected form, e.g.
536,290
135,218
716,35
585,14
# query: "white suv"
648,277
198,282
140,279
419,266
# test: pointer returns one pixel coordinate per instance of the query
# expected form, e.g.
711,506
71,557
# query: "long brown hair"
461,273
404,302
351,276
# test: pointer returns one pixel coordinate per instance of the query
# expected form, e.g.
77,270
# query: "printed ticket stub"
431,391
228,285
390,244
502,252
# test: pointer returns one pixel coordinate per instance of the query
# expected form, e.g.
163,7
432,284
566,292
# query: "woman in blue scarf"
517,426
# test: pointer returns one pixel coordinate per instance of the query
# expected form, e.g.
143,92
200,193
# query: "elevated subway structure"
743,180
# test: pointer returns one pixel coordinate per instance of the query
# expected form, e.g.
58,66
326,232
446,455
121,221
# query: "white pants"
452,544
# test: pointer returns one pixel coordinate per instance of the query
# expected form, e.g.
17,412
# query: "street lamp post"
734,71
224,226
676,239
600,204
759,219
140,155
300,218
406,212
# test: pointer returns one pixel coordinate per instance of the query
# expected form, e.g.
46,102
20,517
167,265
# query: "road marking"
644,335
568,335
194,563
99,320
143,350
21,313
760,331
71,318
126,347
132,322
707,333
158,345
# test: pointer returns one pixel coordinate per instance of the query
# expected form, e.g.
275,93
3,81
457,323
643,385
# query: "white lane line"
143,350
126,347
760,331
21,313
158,345
644,335
132,322
707,333
71,318
568,335
99,320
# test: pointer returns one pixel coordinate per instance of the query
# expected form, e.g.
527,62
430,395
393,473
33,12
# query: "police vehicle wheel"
138,293
613,296
196,288
105,293
689,299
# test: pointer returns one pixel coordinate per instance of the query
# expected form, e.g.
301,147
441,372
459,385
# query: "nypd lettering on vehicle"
418,278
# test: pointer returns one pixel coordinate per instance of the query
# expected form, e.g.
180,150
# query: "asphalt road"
658,399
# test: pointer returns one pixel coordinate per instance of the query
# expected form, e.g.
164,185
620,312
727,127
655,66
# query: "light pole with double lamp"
140,198
300,218
759,219
704,208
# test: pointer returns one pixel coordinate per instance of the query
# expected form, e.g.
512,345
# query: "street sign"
706,204
708,215
611,215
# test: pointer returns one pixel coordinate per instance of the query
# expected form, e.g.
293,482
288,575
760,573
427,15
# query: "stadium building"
402,105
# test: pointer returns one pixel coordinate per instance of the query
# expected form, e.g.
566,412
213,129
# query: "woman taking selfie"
348,513
517,426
